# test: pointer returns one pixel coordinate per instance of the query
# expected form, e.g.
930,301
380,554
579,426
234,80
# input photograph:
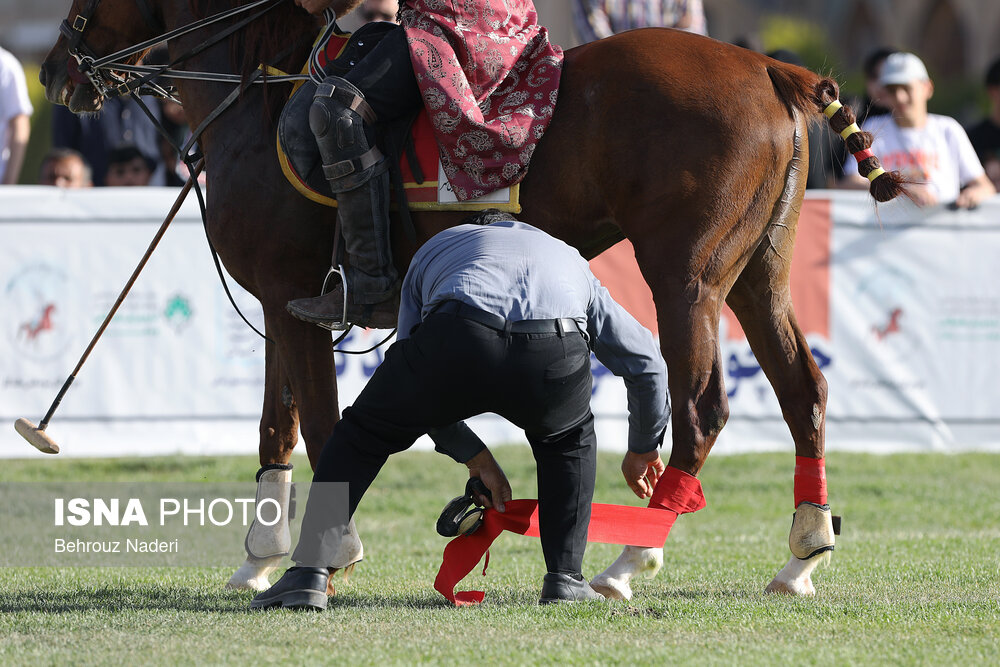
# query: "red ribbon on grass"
609,524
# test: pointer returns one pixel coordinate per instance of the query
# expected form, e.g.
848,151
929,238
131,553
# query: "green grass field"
914,579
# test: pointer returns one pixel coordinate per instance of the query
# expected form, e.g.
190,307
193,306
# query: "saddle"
418,180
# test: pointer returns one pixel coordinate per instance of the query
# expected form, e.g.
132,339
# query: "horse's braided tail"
885,185
804,90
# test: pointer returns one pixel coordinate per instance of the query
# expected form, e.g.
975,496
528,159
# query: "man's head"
379,10
908,88
488,217
128,166
65,168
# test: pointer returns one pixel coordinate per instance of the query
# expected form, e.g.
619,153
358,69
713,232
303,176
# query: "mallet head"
36,436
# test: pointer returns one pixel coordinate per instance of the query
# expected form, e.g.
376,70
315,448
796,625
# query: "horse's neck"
201,98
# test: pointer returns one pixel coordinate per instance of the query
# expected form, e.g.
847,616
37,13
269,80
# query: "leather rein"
102,72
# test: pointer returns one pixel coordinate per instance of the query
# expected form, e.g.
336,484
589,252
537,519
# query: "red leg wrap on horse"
678,492
810,480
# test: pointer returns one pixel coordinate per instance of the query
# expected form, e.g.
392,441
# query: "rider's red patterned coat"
489,78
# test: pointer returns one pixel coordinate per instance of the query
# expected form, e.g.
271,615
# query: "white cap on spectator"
901,68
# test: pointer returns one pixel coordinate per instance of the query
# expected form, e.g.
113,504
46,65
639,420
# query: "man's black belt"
561,326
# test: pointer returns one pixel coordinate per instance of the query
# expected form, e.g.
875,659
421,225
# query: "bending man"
495,318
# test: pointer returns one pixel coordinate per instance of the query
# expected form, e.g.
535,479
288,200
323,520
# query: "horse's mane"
262,41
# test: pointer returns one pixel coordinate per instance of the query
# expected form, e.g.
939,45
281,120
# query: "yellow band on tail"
849,130
875,173
833,108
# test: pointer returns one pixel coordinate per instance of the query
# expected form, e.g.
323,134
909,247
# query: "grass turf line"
914,578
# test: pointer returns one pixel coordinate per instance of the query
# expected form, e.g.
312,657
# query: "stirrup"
337,270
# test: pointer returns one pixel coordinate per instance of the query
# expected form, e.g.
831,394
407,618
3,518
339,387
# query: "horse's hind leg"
762,301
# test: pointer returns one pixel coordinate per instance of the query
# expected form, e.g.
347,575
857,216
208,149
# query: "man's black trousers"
451,369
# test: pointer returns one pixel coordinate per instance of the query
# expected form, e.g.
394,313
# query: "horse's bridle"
85,56
102,71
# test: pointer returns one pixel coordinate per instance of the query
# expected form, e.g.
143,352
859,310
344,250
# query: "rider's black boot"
357,172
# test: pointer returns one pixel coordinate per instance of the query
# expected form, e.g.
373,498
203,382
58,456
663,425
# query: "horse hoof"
253,575
796,577
611,588
801,587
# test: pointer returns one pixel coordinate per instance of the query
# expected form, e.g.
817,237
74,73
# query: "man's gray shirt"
519,272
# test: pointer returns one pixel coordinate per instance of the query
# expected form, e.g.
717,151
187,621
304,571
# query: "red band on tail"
863,155
609,524
810,480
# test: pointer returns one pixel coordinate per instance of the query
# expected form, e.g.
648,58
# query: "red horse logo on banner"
891,327
33,328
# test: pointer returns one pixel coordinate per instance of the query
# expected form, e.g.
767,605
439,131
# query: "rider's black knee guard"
342,121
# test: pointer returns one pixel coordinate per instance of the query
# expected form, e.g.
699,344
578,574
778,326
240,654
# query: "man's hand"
975,192
642,471
486,468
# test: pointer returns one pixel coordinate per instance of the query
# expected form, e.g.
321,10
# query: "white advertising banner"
898,307
902,317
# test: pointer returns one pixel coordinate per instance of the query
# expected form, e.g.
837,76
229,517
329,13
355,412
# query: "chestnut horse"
693,149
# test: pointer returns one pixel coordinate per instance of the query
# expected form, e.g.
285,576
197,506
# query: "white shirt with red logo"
938,155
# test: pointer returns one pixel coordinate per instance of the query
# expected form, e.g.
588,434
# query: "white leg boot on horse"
267,545
811,541
351,551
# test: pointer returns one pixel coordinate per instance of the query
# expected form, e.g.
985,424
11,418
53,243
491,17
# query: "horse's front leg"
279,423
300,394
307,357
689,341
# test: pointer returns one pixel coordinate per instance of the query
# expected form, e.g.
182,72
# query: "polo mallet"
36,434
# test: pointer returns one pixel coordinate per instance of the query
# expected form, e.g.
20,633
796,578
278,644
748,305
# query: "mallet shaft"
128,286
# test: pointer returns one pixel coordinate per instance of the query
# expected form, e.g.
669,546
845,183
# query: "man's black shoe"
566,588
298,588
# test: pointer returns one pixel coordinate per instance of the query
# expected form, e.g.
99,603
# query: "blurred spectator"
826,153
379,10
874,103
15,117
985,136
65,168
120,121
595,19
931,151
127,165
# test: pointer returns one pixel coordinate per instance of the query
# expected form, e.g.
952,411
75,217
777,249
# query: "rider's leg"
381,86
